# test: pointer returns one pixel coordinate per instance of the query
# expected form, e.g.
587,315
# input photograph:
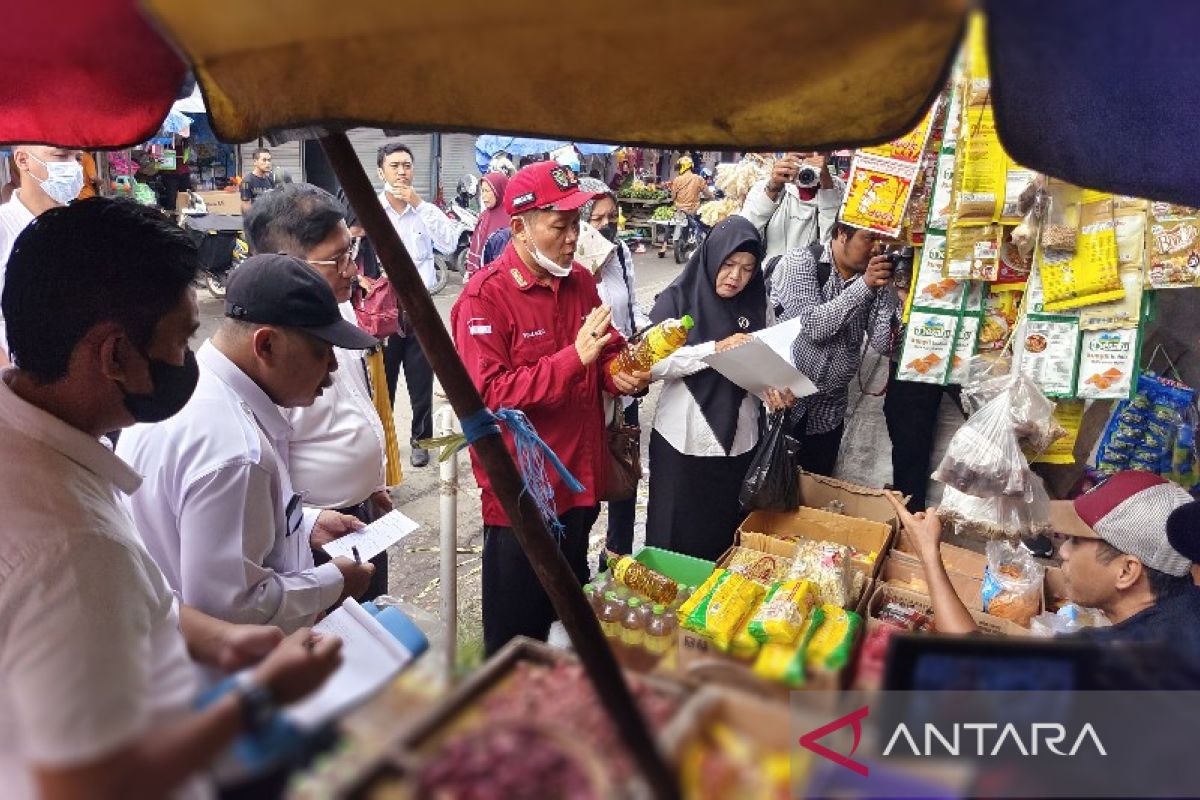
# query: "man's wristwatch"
258,706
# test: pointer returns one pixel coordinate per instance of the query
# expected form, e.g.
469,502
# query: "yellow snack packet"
701,592
719,615
829,648
784,663
780,619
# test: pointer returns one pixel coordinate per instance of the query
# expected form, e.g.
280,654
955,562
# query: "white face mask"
542,261
64,179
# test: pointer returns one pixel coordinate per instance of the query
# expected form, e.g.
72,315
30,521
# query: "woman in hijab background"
705,426
492,217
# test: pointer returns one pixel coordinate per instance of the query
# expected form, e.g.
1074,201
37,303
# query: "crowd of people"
198,539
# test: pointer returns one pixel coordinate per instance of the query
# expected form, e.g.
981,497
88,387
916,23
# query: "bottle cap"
587,587
659,608
687,321
610,596
634,602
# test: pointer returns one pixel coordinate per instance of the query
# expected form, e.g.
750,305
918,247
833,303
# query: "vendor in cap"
534,336
1183,532
1116,558
217,508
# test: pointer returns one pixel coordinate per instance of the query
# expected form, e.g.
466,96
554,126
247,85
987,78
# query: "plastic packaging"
724,610
772,482
1012,583
762,568
827,566
784,663
640,578
656,344
833,642
632,624
984,458
780,619
997,517
610,616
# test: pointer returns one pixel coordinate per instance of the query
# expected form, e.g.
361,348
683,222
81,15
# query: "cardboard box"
986,622
901,568
216,202
699,660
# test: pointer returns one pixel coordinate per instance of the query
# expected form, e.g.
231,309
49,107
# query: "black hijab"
694,292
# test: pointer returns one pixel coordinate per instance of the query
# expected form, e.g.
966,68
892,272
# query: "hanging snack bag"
1107,363
1060,230
928,347
1048,351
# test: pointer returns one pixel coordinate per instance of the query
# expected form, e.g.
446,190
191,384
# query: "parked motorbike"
459,209
689,234
222,247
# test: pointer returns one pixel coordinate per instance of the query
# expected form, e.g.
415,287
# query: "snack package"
997,517
973,253
784,663
904,617
1174,252
827,566
1069,415
1091,273
702,591
1032,414
1048,353
984,457
1142,432
964,348
1060,230
780,619
1107,363
1012,583
929,340
762,568
743,646
719,615
831,646
1000,318
933,289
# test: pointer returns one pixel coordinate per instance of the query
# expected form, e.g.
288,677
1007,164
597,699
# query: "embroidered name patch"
477,326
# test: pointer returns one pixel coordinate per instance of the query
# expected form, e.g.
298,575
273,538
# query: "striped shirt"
835,318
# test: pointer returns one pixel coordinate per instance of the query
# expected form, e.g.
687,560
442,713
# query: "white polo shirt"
422,229
337,449
217,509
14,218
91,655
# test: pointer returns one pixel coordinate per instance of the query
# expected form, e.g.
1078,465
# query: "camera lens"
808,175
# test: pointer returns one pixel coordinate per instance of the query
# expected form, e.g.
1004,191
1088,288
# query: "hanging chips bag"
1174,253
1107,364
1091,273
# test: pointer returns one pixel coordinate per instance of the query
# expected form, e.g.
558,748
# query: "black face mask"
609,231
173,387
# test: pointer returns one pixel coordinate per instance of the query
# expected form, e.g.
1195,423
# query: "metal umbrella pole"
540,548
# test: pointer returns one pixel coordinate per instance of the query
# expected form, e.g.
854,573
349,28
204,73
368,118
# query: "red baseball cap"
546,185
1129,511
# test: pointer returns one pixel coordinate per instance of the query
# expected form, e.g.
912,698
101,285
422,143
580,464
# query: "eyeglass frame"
345,259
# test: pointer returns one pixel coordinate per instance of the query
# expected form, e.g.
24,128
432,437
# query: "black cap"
276,289
1183,530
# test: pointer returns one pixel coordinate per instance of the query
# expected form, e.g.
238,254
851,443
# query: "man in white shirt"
796,206
49,177
422,226
218,511
338,447
96,682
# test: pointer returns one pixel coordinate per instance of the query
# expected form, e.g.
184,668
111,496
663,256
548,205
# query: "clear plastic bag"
997,517
1012,584
984,457
1031,412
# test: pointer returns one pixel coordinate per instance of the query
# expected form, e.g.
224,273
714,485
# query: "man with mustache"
217,508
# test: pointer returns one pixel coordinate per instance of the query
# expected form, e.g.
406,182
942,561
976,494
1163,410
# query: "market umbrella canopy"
1104,95
767,74
86,75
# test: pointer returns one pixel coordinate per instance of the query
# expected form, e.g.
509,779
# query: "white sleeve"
75,651
759,207
683,362
443,231
226,532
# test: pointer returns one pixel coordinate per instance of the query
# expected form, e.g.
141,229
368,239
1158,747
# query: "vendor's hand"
731,342
332,525
879,272
631,383
299,665
382,501
355,577
924,528
594,334
245,645
783,173
779,399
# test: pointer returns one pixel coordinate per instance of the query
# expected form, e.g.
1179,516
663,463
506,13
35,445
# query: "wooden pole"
547,560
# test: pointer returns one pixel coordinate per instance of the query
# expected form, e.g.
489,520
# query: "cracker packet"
780,619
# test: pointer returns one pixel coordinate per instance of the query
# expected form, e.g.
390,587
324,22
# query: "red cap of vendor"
547,186
1129,511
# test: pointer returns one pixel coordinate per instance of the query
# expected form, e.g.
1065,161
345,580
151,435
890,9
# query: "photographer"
797,205
846,292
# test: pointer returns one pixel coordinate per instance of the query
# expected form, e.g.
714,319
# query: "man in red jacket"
534,335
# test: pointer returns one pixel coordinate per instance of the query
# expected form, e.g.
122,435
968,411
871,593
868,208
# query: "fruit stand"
641,205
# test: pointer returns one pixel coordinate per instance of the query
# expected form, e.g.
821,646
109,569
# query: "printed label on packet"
928,347
1107,362
964,348
1049,353
934,290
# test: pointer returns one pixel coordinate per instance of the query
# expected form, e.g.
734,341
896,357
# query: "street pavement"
414,563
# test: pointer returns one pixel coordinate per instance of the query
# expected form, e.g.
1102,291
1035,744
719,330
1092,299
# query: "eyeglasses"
345,262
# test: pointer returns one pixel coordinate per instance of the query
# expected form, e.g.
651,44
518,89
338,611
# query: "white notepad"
374,538
371,657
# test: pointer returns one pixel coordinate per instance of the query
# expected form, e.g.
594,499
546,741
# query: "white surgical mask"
545,263
64,179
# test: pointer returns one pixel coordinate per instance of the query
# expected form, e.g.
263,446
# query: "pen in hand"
357,557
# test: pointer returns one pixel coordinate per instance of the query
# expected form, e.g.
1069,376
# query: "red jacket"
517,340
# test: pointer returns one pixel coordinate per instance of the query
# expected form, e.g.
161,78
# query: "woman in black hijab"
705,426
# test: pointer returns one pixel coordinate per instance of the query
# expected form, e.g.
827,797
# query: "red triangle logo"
809,741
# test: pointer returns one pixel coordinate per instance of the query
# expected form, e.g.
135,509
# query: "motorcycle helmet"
684,164
468,185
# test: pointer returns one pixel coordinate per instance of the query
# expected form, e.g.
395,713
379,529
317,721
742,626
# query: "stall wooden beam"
547,560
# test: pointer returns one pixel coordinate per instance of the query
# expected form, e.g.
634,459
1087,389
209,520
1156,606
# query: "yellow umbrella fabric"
383,404
764,74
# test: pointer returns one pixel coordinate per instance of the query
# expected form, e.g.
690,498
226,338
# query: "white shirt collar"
391,209
20,211
78,446
267,413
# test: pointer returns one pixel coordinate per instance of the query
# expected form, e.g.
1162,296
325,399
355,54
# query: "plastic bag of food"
780,619
784,663
1032,414
984,458
762,568
1060,230
997,517
827,566
719,615
833,642
1012,583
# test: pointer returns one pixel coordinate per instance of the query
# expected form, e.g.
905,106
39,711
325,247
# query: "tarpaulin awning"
489,145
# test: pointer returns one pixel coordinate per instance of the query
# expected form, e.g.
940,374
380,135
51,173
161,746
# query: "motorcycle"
690,233
222,246
459,210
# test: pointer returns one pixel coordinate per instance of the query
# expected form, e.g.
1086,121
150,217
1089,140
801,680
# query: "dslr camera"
902,265
808,176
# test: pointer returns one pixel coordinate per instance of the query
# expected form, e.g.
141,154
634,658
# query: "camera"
808,176
902,265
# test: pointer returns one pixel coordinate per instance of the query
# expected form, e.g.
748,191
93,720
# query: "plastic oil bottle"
633,625
610,616
656,344
660,632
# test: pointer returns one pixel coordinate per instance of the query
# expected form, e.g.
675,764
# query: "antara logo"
1051,734
854,719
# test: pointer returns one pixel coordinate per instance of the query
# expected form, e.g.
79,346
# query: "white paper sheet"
373,539
781,337
756,366
370,658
